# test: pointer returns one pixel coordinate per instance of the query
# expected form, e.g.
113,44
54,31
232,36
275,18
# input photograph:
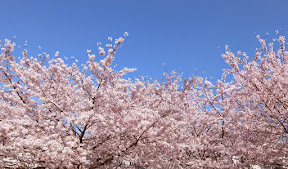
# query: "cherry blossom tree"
253,106
58,116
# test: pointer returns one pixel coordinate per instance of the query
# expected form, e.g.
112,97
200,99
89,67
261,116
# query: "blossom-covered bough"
256,104
54,115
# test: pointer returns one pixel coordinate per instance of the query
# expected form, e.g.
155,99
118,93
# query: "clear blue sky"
185,34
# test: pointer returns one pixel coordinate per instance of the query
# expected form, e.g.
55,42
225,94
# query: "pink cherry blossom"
58,116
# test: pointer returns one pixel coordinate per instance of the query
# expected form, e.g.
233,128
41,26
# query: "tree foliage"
58,116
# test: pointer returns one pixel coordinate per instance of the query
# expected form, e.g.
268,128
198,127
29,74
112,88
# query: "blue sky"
185,34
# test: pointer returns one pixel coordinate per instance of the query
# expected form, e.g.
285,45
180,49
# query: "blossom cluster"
54,115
